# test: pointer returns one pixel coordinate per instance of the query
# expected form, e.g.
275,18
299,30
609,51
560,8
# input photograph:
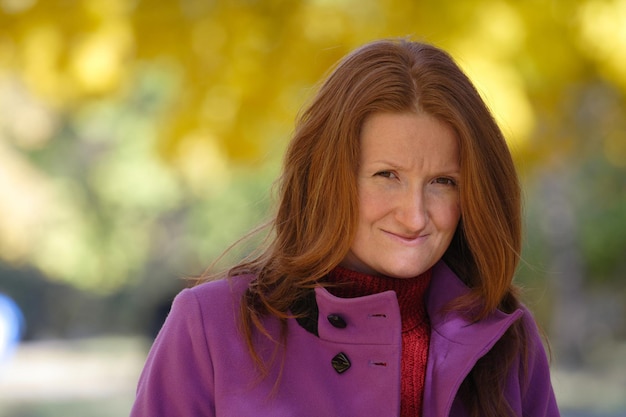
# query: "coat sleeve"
177,379
537,393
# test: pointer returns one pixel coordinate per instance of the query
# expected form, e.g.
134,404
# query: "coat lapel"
456,343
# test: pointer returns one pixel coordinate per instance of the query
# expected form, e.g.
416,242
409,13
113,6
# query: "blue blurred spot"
11,324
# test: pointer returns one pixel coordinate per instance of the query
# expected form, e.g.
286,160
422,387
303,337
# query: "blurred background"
139,138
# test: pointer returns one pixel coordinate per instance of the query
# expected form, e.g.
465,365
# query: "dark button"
341,363
337,321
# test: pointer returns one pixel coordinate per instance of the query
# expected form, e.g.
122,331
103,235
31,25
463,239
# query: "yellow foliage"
603,36
41,54
99,60
184,91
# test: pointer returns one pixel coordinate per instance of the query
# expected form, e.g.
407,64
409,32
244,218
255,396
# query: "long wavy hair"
317,211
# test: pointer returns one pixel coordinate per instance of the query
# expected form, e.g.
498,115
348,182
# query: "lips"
407,239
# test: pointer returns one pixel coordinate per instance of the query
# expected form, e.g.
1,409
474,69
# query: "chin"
409,270
406,274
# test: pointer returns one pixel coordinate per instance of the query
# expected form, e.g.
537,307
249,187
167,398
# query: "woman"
386,286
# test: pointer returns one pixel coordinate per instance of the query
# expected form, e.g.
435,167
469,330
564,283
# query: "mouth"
407,239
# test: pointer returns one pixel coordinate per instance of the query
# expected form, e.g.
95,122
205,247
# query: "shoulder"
536,342
535,337
187,348
224,287
203,318
216,292
536,386
213,298
208,306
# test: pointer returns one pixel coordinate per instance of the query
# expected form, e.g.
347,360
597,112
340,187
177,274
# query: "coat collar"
456,343
445,287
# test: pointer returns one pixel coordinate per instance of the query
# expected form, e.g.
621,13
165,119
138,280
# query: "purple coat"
199,364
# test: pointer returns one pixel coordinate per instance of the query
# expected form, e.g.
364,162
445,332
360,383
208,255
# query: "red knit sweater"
415,326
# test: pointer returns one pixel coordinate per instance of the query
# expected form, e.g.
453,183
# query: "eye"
385,174
445,181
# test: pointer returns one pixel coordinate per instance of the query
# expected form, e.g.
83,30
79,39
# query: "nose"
411,211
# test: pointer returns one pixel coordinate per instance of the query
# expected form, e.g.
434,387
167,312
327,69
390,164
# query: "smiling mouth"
406,238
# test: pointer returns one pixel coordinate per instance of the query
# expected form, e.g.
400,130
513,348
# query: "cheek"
447,215
371,206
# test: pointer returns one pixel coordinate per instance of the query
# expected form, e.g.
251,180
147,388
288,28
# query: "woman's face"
408,194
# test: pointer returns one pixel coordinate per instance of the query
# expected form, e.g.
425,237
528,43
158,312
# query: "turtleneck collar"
410,291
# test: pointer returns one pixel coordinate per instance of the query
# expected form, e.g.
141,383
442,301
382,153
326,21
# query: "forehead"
408,138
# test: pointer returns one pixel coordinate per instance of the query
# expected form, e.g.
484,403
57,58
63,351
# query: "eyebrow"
393,165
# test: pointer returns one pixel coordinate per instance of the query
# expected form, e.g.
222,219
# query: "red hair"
317,210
